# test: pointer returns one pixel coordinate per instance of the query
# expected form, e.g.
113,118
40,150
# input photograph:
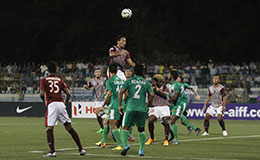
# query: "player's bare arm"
86,87
42,95
130,62
205,104
196,93
67,92
224,103
108,97
150,99
174,98
120,96
160,93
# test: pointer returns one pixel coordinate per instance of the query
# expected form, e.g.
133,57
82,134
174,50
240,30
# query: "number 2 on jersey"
136,95
54,86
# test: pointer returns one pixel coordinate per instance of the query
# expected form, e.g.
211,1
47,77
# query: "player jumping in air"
50,92
136,110
119,55
217,95
99,85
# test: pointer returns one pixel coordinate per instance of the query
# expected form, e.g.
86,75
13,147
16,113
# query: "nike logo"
18,110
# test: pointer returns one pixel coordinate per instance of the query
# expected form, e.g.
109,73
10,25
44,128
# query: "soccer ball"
126,13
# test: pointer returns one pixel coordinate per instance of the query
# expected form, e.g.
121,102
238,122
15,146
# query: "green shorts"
178,109
114,114
132,118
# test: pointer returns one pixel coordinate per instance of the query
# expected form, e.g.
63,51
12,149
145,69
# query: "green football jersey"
137,88
172,89
114,84
183,97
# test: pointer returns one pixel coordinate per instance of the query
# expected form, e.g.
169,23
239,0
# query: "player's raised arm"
67,92
150,99
130,62
113,53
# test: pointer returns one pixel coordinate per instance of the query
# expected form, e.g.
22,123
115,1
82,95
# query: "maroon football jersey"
121,60
52,86
159,101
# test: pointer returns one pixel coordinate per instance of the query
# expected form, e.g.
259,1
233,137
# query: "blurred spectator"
232,97
237,68
156,69
161,68
14,88
252,67
3,86
43,68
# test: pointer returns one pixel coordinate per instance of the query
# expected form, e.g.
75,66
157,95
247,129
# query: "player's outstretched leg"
50,140
75,137
189,125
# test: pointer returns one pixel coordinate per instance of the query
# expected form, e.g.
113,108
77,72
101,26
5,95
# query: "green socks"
116,134
141,137
130,130
186,122
125,134
104,134
175,132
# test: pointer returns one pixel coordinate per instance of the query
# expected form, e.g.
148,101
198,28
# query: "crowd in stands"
19,77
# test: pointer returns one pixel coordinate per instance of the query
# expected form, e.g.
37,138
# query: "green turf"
19,136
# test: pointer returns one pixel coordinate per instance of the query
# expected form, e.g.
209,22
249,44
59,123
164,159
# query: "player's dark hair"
139,70
174,75
120,36
113,68
97,68
51,65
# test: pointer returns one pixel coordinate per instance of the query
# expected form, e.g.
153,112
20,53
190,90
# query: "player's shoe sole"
197,131
82,152
124,151
150,141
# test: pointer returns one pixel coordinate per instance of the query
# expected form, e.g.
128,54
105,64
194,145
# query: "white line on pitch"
145,157
159,142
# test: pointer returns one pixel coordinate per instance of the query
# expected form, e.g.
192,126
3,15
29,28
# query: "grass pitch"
25,138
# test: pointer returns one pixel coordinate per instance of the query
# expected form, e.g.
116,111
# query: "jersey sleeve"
149,90
209,93
112,49
128,56
223,92
108,86
187,86
42,85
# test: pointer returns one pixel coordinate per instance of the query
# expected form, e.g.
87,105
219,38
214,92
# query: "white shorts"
120,74
159,112
56,111
214,111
